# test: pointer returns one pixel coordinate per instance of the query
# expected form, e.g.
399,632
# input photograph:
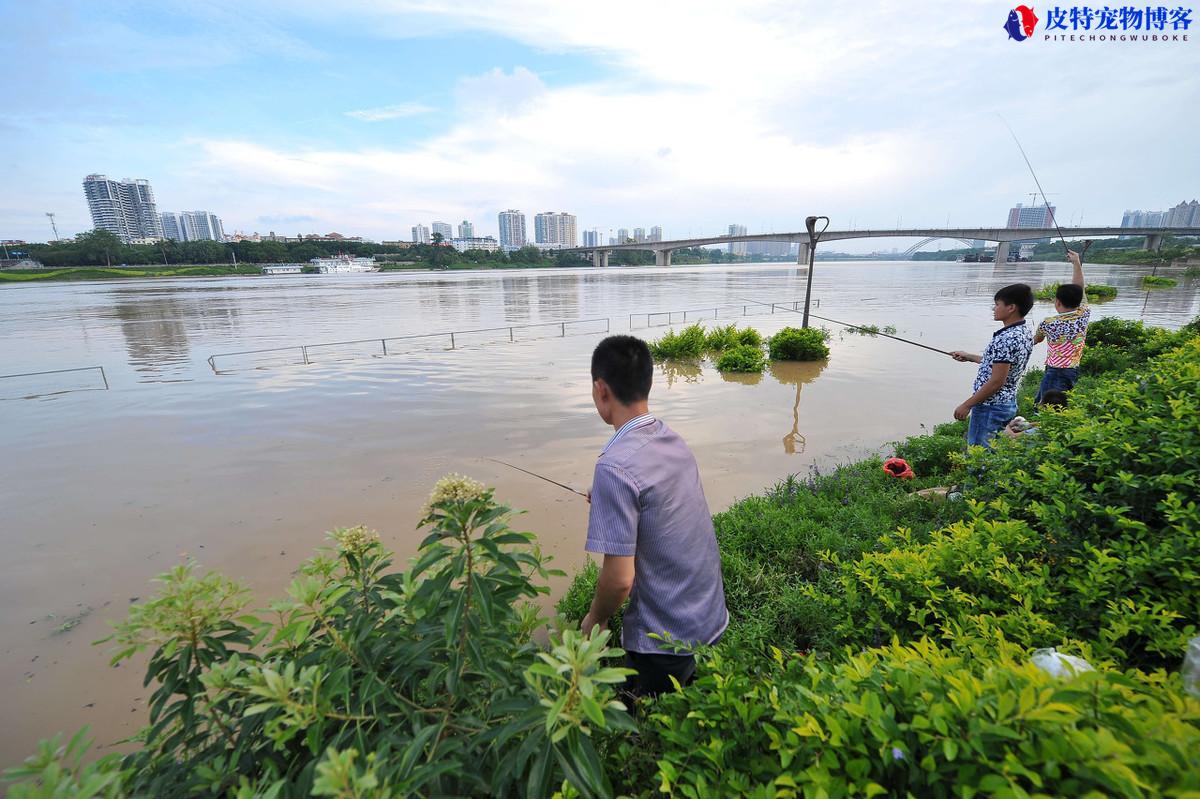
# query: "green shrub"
796,344
370,682
690,342
938,454
1089,531
721,338
1095,292
914,720
742,358
1157,282
870,330
749,337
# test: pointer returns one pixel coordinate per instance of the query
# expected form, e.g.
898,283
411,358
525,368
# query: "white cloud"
384,112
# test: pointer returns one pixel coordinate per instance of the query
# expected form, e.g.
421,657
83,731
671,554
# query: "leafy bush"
1090,531
915,720
1095,292
693,342
749,337
937,454
690,342
721,338
369,682
742,358
796,344
1157,282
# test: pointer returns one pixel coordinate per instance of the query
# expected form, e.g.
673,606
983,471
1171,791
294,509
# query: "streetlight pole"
813,237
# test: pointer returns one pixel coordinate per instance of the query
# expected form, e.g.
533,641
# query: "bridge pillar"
662,257
1002,252
600,258
802,253
1153,242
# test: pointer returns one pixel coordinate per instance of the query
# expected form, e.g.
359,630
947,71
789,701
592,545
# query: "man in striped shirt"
650,521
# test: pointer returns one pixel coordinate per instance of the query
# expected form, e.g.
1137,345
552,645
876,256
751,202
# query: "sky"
366,117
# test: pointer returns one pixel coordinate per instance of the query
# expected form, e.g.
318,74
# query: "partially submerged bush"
870,330
796,344
1157,282
1095,292
687,343
742,358
693,342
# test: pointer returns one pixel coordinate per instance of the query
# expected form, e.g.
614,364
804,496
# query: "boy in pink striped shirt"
1065,333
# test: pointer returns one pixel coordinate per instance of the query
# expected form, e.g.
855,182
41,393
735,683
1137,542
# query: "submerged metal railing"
304,354
664,318
100,369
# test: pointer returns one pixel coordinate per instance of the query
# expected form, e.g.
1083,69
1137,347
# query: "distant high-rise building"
768,249
192,226
124,207
622,235
1144,219
551,228
171,228
1031,216
1183,215
639,234
737,247
655,234
420,234
445,229
512,229
591,238
466,230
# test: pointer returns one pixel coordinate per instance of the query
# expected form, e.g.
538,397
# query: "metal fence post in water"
383,341
304,354
452,341
103,377
564,329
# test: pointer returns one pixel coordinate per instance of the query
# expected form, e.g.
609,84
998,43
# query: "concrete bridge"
1002,236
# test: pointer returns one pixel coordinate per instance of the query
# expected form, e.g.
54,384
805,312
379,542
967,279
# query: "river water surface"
244,463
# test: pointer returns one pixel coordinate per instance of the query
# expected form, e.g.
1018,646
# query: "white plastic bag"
1191,667
1057,664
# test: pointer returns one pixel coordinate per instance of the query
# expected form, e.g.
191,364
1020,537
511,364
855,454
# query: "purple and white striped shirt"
647,501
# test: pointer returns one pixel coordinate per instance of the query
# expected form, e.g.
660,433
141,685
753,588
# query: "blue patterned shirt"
1011,345
647,501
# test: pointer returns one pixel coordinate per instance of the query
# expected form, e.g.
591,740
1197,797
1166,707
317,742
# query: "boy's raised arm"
1077,267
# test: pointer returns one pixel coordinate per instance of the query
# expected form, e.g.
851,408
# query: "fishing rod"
1037,182
870,330
540,477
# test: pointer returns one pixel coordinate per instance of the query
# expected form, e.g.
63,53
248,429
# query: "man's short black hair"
1055,399
1017,294
624,363
1069,294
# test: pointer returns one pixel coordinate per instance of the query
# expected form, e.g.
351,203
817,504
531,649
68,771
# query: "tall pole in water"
811,224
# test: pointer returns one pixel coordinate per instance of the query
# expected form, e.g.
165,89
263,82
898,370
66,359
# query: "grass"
108,273
1096,292
1156,282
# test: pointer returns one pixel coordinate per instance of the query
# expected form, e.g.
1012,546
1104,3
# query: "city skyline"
360,119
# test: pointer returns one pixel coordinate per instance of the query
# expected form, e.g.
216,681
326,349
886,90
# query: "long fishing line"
870,330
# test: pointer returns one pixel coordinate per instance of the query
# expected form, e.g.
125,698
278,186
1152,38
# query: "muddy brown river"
245,463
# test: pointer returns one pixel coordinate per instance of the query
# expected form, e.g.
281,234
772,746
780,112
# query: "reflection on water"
676,371
796,373
101,490
742,378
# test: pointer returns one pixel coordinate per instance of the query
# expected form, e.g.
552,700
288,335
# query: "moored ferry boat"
341,264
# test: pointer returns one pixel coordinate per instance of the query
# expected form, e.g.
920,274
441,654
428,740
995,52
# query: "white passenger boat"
341,264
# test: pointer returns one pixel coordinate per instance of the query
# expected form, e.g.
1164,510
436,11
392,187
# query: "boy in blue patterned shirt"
994,401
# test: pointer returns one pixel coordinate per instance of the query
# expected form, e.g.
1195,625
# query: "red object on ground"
898,467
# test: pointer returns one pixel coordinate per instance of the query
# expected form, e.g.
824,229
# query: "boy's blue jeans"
988,420
1057,378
